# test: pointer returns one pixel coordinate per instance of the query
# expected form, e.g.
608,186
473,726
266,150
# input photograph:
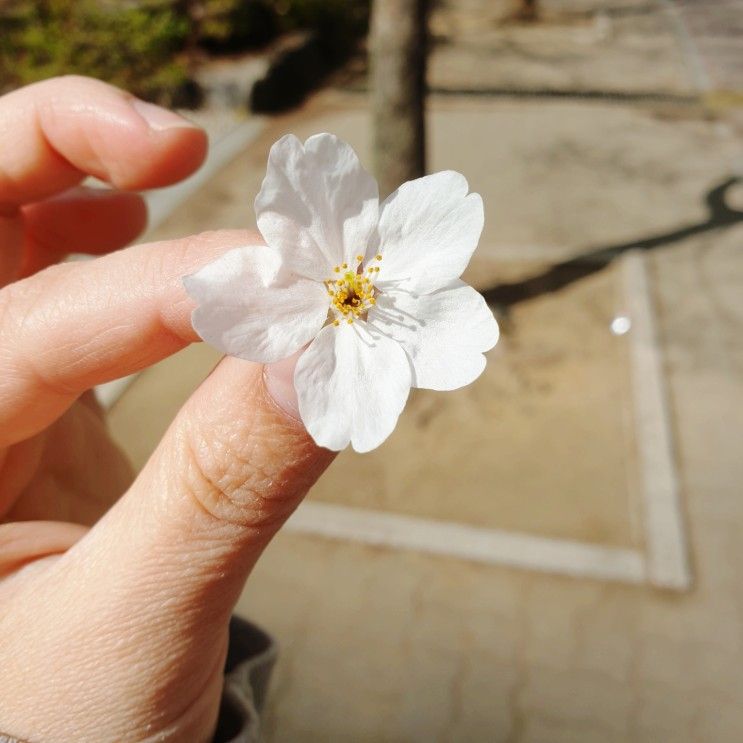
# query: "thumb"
149,590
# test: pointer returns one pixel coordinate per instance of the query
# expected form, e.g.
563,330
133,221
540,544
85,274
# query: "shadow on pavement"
720,215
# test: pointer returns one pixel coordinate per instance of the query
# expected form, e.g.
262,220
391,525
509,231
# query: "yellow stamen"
353,293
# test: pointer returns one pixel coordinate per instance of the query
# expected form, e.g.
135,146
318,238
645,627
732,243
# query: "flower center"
352,290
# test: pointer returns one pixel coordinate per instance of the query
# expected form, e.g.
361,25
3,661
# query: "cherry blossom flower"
372,290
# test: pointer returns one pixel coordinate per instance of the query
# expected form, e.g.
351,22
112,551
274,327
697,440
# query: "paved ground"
582,47
384,644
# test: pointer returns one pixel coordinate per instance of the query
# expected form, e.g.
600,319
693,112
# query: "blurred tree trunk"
527,10
398,83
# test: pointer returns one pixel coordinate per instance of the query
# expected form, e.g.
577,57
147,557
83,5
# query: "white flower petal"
250,306
317,204
444,333
428,230
352,387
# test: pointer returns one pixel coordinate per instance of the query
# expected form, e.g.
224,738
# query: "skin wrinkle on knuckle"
225,475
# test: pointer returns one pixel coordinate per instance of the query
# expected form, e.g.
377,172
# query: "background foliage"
133,46
151,47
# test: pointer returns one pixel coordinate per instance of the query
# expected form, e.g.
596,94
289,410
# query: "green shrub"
143,45
134,46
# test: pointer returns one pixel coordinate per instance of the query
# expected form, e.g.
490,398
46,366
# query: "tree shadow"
562,274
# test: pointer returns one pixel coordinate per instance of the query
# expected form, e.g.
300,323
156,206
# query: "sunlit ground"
391,642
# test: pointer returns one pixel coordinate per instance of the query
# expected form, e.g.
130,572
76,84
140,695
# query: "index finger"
56,132
76,325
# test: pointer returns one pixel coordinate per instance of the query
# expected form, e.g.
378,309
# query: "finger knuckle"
231,476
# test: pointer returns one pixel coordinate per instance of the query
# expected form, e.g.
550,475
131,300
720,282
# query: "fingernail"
279,381
159,118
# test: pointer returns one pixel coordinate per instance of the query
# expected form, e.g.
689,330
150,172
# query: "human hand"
118,632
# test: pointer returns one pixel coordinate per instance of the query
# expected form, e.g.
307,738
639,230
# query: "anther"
378,256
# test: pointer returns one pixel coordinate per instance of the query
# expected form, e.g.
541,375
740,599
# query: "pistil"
352,290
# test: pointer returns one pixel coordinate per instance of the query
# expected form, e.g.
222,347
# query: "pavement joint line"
452,539
689,50
665,533
665,563
588,95
667,559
